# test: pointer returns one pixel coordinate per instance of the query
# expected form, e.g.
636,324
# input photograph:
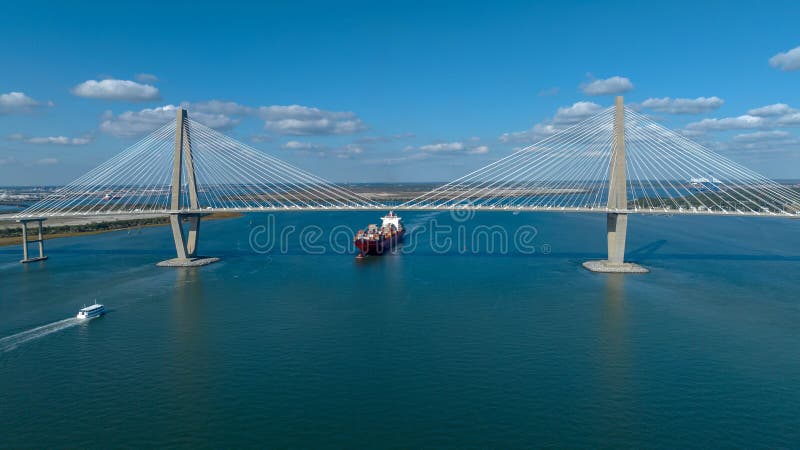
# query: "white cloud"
112,89
59,140
293,120
775,141
777,109
792,119
400,159
54,140
579,111
766,118
219,107
298,145
46,161
146,78
382,139
608,86
15,102
760,136
137,123
349,151
786,61
259,138
450,148
564,117
531,135
697,105
443,147
299,120
729,123
308,148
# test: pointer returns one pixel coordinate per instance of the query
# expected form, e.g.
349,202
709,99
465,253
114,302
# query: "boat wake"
15,340
422,219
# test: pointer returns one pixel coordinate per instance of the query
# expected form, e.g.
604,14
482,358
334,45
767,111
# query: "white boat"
90,312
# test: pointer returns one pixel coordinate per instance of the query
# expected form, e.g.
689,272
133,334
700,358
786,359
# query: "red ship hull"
379,246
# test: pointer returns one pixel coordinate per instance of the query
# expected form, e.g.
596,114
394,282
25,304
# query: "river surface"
290,342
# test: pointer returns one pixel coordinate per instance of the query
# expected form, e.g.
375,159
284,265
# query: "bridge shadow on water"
651,252
647,251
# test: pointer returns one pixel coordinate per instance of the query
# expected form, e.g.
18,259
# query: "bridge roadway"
118,215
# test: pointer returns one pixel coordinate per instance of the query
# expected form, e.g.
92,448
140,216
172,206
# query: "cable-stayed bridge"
617,162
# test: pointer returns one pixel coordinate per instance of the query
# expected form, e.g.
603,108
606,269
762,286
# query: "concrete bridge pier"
617,221
26,258
617,231
185,242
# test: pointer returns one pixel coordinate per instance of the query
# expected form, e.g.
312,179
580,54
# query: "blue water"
438,346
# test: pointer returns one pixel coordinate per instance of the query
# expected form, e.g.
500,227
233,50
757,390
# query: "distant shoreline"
99,227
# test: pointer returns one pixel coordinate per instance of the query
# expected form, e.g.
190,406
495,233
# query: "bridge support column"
185,242
617,230
617,218
25,253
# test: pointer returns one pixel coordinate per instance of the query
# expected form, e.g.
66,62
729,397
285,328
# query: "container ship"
375,241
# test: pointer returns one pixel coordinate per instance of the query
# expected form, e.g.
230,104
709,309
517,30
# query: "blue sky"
390,91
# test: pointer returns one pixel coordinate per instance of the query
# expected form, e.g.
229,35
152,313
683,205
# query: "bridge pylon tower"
617,206
186,242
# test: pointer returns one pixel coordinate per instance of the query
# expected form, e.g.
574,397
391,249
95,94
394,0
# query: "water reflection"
191,349
188,308
615,357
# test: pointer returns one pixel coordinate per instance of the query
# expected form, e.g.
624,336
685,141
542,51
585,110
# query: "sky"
391,91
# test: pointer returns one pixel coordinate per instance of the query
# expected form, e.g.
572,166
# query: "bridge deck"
644,211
